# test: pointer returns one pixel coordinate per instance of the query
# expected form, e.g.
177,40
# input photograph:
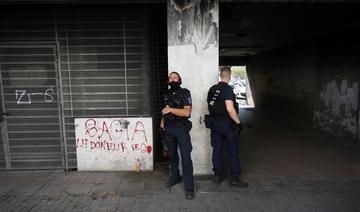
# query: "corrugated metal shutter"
105,66
29,83
104,54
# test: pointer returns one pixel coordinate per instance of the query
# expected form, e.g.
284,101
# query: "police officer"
221,104
176,125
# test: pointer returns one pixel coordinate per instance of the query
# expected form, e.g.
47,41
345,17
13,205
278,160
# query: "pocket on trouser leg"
188,141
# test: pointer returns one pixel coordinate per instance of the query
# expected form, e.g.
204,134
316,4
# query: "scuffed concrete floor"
288,168
270,150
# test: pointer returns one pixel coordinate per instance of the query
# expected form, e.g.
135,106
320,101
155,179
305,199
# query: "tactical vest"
174,100
216,100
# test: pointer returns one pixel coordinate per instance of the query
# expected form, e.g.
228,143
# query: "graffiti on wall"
339,107
24,96
193,23
114,143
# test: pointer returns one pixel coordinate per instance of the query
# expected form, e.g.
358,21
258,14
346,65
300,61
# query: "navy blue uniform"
177,135
221,128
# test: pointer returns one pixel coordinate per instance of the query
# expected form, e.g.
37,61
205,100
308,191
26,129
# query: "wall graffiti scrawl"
338,108
193,23
114,144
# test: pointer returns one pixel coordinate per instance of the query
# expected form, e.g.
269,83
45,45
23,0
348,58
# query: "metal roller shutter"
105,66
104,62
29,86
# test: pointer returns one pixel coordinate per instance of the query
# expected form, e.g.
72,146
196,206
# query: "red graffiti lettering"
96,145
135,147
110,146
92,145
139,127
90,126
105,129
123,147
118,130
77,142
81,143
111,136
101,145
113,147
84,142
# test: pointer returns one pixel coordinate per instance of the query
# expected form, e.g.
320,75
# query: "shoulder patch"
189,100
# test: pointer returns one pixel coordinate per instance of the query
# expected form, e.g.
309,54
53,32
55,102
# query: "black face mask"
174,86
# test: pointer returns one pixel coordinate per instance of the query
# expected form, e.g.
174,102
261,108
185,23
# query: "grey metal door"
31,131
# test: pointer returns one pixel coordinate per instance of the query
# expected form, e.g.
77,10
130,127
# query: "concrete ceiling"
250,28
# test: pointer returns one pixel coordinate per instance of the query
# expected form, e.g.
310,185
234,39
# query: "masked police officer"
224,123
176,127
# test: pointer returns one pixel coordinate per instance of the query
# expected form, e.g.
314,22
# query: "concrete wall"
315,81
283,80
193,52
338,66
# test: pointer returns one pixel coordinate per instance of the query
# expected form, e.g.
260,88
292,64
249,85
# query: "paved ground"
84,191
288,170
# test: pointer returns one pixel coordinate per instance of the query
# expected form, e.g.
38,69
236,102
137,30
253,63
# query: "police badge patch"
189,100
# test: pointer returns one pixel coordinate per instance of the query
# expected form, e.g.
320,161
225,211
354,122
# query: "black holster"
207,119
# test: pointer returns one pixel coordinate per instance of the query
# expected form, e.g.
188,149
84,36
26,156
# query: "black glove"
239,126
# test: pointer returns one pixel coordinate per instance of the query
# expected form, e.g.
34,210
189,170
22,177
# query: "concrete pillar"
193,52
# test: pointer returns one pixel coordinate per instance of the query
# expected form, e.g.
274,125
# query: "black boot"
217,179
235,181
189,195
172,182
